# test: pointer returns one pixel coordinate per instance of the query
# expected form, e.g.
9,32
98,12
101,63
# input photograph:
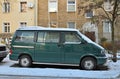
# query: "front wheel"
25,61
88,63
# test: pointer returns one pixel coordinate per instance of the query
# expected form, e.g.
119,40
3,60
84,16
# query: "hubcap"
89,64
24,62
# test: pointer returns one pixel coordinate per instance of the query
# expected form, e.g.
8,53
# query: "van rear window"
24,36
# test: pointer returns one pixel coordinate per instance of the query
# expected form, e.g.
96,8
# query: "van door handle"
59,45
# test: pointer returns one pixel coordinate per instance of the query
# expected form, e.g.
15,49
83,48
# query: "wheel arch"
88,56
26,55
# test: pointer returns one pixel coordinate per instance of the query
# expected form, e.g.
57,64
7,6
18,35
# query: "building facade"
70,14
17,13
66,14
56,14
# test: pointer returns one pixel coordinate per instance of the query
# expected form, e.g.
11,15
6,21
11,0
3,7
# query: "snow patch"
113,71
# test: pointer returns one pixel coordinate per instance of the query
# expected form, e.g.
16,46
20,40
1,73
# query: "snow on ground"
112,72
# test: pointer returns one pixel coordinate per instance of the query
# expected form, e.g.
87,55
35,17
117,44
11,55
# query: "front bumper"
3,54
102,60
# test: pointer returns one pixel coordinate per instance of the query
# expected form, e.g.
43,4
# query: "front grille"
2,48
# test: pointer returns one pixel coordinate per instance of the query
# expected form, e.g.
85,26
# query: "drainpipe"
36,13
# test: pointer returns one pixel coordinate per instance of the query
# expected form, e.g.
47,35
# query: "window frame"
91,15
22,9
53,24
108,26
76,35
6,27
107,5
71,22
55,8
21,37
25,24
71,5
44,36
6,7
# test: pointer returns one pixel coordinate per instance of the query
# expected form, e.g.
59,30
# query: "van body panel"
23,45
101,60
73,53
48,52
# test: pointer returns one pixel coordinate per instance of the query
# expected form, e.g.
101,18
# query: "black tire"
88,63
1,59
25,61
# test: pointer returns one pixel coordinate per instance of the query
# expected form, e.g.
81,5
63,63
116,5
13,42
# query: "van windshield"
88,40
85,38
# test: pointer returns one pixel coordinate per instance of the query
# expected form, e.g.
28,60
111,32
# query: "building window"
71,24
6,7
23,6
23,24
107,5
89,14
6,27
53,24
106,27
52,5
71,5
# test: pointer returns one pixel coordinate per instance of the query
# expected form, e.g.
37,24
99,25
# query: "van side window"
48,37
72,37
40,36
24,36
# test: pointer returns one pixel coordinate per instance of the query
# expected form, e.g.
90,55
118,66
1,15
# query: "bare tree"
111,15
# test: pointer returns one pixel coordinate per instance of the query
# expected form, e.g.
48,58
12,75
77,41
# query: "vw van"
58,46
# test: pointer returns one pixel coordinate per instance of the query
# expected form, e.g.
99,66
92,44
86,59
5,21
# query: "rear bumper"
13,57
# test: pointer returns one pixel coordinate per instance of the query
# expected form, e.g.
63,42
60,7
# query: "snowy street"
9,68
33,77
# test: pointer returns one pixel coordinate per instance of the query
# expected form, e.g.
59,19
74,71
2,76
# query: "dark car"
3,52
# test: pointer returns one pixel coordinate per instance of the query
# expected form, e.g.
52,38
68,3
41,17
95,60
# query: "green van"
58,46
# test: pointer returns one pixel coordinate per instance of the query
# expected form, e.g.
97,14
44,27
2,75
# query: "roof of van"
45,28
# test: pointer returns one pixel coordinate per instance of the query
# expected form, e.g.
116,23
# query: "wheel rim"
89,64
24,62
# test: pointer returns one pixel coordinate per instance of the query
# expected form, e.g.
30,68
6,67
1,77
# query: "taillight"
10,51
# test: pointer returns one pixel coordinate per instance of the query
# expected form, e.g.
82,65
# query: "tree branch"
106,13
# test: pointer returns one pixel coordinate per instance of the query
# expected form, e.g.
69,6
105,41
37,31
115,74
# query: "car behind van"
3,52
58,46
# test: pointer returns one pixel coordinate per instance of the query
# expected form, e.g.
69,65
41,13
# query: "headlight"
103,52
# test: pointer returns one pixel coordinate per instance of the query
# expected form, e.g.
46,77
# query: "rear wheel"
1,59
25,61
88,63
